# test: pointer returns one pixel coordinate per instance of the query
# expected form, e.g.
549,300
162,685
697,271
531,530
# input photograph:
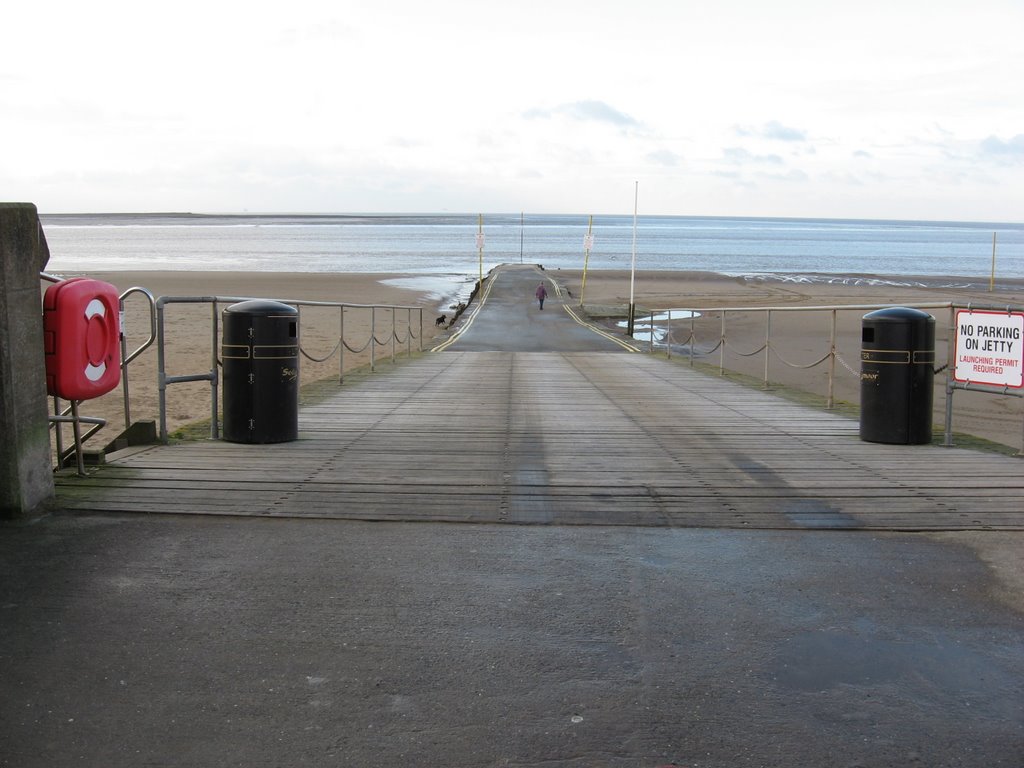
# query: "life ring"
81,327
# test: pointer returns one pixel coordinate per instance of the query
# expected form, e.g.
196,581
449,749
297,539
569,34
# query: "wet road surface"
162,640
509,319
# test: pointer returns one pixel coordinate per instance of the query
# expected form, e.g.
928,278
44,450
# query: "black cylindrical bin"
897,370
260,354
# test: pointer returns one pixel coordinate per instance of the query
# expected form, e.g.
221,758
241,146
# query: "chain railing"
393,338
769,348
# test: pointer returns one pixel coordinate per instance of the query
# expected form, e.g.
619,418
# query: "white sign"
588,242
480,241
989,348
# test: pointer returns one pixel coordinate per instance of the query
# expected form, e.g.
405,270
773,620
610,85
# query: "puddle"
444,288
643,329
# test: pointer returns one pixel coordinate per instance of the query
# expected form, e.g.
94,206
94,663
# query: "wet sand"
798,338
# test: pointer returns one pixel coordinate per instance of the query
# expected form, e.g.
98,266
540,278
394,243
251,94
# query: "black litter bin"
260,354
896,374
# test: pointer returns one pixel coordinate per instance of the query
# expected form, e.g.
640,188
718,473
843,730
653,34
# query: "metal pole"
831,402
214,425
721,348
632,268
693,334
161,371
58,433
124,371
480,246
77,429
650,346
947,438
588,243
767,346
520,237
341,345
668,336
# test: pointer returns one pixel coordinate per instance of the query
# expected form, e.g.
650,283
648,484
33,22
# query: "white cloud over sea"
905,109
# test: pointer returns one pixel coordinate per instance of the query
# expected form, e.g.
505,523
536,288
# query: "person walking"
541,294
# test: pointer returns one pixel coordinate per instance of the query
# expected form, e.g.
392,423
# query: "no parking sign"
989,348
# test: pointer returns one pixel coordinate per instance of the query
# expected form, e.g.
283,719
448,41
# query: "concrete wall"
26,474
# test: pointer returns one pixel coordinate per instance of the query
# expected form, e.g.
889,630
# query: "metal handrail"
70,414
128,357
832,355
164,380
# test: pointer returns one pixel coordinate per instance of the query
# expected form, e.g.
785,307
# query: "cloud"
774,131
794,175
1007,152
586,111
740,156
663,157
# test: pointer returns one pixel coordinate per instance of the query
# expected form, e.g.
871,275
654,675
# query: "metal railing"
70,414
373,342
769,349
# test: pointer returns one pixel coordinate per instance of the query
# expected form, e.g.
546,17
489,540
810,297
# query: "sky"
892,109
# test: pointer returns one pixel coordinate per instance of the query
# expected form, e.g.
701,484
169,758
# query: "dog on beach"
441,320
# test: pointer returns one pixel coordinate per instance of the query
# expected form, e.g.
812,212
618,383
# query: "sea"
460,244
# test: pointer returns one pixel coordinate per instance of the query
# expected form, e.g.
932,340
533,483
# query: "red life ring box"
81,333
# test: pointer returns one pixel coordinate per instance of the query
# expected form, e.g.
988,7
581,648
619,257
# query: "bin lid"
261,308
898,315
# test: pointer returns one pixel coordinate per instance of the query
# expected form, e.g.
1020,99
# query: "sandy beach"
797,338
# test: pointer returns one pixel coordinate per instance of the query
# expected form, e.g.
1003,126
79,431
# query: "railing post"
161,371
767,345
650,346
214,388
408,327
341,345
668,335
373,339
693,334
394,333
721,348
58,433
124,369
76,427
831,400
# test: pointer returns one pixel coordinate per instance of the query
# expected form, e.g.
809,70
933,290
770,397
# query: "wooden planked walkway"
568,438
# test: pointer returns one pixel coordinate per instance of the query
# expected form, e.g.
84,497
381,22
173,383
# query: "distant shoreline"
529,219
879,280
